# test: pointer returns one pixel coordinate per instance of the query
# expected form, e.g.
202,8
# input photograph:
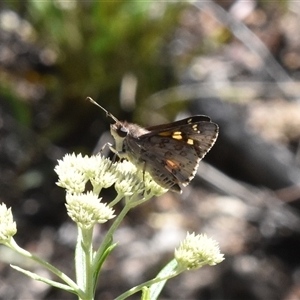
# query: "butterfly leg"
104,146
114,151
109,145
144,170
120,154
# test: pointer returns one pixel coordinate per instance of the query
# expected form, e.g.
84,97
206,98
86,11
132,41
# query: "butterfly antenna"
107,112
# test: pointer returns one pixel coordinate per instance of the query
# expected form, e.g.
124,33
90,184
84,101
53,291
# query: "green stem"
116,200
136,202
83,262
146,284
108,239
130,202
97,190
13,245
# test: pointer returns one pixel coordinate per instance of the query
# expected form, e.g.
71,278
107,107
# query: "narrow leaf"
98,264
45,280
168,270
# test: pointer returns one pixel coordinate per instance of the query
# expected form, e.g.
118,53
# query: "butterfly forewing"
178,124
171,152
170,162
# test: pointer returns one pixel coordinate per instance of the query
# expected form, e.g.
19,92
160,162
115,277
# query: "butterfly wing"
171,152
179,124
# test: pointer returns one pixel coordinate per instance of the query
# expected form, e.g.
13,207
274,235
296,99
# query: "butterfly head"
119,133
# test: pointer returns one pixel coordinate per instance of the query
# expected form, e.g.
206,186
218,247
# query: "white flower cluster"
87,210
7,226
196,251
75,171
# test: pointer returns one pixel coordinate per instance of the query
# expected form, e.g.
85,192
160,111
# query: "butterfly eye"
122,132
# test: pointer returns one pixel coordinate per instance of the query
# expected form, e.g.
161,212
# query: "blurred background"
152,62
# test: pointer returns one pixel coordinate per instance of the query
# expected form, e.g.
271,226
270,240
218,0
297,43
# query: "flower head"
153,187
196,251
128,182
87,210
70,174
7,225
74,171
105,172
100,171
132,180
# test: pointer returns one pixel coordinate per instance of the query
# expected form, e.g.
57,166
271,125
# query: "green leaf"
168,270
99,263
45,280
